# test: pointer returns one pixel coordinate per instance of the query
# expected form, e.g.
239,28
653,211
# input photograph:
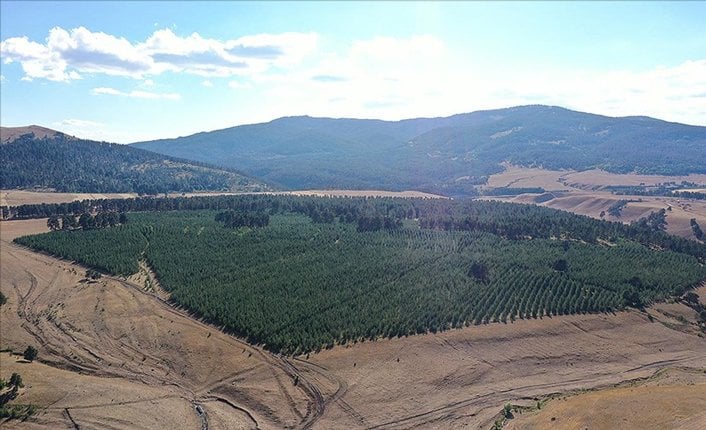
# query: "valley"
345,299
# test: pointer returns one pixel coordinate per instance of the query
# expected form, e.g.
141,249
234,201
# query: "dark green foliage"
507,411
444,155
234,219
656,221
479,271
509,191
696,228
616,208
631,297
3,298
71,165
297,285
115,250
93,274
16,380
30,353
560,265
17,412
54,223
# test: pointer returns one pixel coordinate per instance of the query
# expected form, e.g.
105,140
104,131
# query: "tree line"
86,221
512,221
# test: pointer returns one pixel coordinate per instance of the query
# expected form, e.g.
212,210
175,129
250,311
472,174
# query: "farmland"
297,285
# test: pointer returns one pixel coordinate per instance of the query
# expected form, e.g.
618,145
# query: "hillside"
443,155
35,157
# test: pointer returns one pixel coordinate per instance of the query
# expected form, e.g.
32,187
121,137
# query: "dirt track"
115,356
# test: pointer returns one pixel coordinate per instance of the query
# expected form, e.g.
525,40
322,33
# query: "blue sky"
128,71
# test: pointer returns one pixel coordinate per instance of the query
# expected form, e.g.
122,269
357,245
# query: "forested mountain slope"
443,155
67,164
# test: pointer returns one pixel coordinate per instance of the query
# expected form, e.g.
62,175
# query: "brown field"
527,177
582,193
8,134
672,399
116,356
24,197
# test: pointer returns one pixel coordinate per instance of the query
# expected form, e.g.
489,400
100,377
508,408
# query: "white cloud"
393,78
206,83
67,55
77,123
238,85
139,94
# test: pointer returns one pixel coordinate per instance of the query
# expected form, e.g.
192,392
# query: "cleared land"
167,362
556,180
584,193
672,399
24,197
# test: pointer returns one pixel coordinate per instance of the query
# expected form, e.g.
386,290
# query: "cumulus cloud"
139,94
67,54
77,123
395,78
236,85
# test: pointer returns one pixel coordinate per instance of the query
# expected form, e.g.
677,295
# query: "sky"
131,71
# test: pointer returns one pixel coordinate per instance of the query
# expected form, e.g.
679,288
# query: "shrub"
30,353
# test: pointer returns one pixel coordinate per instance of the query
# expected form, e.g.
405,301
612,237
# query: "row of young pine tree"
297,285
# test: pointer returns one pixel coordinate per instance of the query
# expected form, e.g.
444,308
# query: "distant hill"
8,134
37,157
443,155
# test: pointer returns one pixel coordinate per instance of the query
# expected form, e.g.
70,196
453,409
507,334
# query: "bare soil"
114,355
673,399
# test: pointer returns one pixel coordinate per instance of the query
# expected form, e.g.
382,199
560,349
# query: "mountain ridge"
448,155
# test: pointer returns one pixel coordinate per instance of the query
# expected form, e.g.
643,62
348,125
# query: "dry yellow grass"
582,193
25,197
672,400
8,134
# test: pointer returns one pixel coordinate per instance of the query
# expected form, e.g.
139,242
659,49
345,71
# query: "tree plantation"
324,271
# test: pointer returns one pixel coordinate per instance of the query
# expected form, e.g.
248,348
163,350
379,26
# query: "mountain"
37,157
448,155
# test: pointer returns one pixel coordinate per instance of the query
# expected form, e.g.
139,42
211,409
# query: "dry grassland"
582,193
672,399
24,197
